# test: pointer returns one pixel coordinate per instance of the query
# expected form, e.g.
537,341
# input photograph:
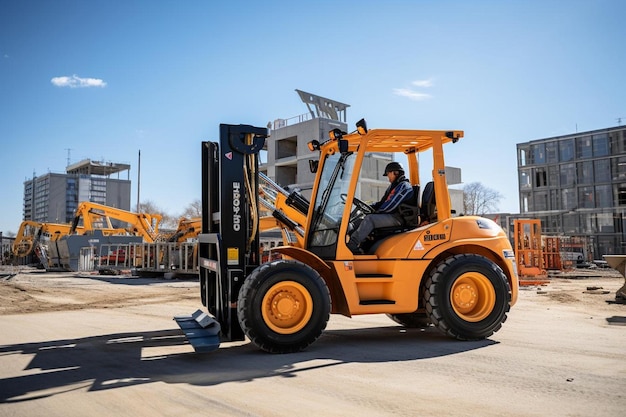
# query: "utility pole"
138,180
69,150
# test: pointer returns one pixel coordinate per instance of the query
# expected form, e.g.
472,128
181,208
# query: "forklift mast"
229,242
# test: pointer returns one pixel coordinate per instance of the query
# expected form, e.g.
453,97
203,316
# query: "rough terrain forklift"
456,273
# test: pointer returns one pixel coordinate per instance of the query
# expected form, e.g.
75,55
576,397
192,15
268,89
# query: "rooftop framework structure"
89,167
324,107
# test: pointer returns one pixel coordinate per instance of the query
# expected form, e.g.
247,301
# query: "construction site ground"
87,345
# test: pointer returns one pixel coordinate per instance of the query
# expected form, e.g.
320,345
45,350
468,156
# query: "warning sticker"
232,255
418,246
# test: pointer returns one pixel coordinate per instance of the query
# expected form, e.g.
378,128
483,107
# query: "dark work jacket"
398,191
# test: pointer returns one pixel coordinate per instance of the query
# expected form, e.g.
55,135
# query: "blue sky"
109,78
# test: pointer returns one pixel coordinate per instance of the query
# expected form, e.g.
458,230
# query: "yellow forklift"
456,273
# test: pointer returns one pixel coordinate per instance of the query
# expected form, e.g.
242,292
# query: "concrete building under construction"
288,155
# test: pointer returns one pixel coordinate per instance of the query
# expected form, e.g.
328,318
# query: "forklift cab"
336,209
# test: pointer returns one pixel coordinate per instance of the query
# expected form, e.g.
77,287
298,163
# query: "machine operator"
386,210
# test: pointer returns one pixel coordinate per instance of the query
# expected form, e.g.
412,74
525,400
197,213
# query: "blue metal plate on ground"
201,330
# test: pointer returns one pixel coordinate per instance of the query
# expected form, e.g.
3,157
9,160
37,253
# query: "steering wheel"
361,205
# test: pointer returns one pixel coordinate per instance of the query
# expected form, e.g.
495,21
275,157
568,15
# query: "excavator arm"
26,237
92,215
31,232
187,229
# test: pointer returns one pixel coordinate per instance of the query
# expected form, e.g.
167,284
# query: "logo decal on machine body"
236,206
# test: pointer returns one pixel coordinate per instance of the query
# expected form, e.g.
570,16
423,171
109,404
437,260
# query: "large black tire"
411,320
467,297
283,306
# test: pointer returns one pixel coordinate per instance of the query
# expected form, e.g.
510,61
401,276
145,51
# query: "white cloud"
423,83
77,82
415,95
411,94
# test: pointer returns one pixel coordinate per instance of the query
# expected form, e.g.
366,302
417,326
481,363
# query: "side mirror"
361,127
313,165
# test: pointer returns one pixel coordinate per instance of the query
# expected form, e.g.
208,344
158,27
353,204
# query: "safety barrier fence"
180,258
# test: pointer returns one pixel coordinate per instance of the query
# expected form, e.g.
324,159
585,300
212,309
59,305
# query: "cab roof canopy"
406,141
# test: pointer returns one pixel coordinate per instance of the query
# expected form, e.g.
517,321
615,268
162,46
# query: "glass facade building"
576,185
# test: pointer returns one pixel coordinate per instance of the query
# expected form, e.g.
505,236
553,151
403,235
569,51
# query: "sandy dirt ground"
77,345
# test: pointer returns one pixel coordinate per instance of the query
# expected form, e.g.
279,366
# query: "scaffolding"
552,253
529,254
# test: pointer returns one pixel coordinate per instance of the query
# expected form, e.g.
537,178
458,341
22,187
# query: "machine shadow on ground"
120,360
135,280
617,320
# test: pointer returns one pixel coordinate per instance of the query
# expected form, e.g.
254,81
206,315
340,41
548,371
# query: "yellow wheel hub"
287,307
472,297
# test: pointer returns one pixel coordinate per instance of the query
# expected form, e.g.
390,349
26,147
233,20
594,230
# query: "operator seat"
410,209
428,208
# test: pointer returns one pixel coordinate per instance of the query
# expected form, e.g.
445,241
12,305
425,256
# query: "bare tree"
169,221
480,200
193,210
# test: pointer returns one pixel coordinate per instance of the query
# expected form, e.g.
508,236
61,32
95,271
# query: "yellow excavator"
31,233
90,216
188,228
456,273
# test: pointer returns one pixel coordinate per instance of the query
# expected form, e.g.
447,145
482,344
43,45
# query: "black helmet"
393,166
